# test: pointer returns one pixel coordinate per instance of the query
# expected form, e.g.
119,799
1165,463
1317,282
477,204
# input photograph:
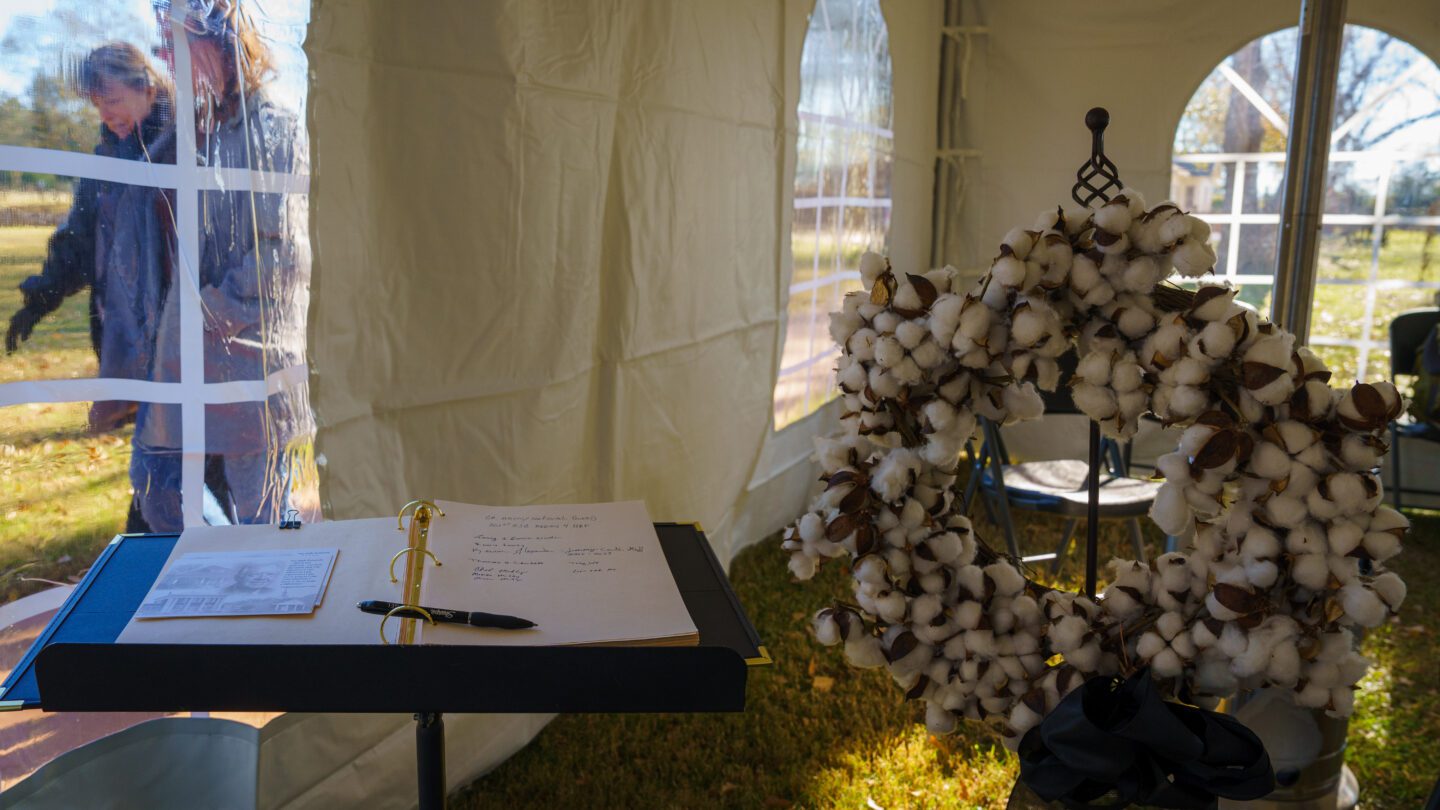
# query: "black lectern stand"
75,664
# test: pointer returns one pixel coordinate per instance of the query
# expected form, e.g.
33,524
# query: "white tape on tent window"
188,179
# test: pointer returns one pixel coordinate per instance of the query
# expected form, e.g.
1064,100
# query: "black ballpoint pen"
498,621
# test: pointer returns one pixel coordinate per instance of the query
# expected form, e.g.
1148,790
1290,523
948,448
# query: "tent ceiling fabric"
1043,64
549,241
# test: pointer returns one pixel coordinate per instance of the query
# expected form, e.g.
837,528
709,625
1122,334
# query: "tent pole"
1322,28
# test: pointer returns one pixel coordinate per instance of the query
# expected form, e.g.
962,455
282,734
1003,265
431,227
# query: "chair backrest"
1059,401
1407,334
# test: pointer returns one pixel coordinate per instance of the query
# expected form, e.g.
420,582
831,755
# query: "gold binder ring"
418,504
402,552
422,611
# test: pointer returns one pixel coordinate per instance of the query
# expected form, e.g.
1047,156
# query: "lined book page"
584,573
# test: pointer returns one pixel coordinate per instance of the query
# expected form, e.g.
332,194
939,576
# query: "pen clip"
422,611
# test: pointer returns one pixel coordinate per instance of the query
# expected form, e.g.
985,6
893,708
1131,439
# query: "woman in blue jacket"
115,236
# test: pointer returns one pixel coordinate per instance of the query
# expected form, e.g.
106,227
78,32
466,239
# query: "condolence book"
585,574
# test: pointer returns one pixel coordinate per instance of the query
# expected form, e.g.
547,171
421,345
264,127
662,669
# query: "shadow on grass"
816,732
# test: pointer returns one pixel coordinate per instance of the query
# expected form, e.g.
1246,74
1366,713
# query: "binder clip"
291,520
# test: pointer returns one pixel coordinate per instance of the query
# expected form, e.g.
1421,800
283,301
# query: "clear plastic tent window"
154,277
1382,198
843,156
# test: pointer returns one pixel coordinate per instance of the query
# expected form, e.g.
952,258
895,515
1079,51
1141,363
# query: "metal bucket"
1307,750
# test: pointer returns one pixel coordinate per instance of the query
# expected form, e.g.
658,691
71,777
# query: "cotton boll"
924,609
938,720
928,355
1284,665
1008,580
872,265
1126,375
1167,663
843,325
1023,402
1019,241
861,344
883,384
1193,258
1114,216
890,606
1068,633
1344,569
827,629
911,332
1188,401
1141,275
981,643
907,297
894,474
945,317
1286,512
1135,322
1390,588
1270,461
862,651
1381,546
1171,511
1008,271
1205,636
1084,274
1094,368
1150,645
888,352
907,371
803,566
1386,519
1094,401
1190,371
1215,341
1342,701
1029,326
1344,536
1362,605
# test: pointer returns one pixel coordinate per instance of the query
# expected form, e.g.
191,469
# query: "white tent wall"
1045,62
552,249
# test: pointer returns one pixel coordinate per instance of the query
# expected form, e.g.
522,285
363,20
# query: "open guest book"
585,574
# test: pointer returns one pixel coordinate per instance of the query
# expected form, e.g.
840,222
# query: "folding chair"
1058,486
1408,332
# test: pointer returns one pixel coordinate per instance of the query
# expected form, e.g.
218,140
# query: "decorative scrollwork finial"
1098,167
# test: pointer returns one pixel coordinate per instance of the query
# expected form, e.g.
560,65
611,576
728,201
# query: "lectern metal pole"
430,759
1092,514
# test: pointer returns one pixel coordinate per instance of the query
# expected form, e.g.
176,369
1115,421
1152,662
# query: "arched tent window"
1379,252
844,151
154,274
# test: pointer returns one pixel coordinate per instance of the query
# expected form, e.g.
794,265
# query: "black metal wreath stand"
1097,168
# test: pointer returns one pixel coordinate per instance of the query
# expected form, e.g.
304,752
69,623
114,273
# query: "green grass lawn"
817,733
63,493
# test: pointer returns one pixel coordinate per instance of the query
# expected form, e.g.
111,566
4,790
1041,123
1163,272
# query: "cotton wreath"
1274,480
